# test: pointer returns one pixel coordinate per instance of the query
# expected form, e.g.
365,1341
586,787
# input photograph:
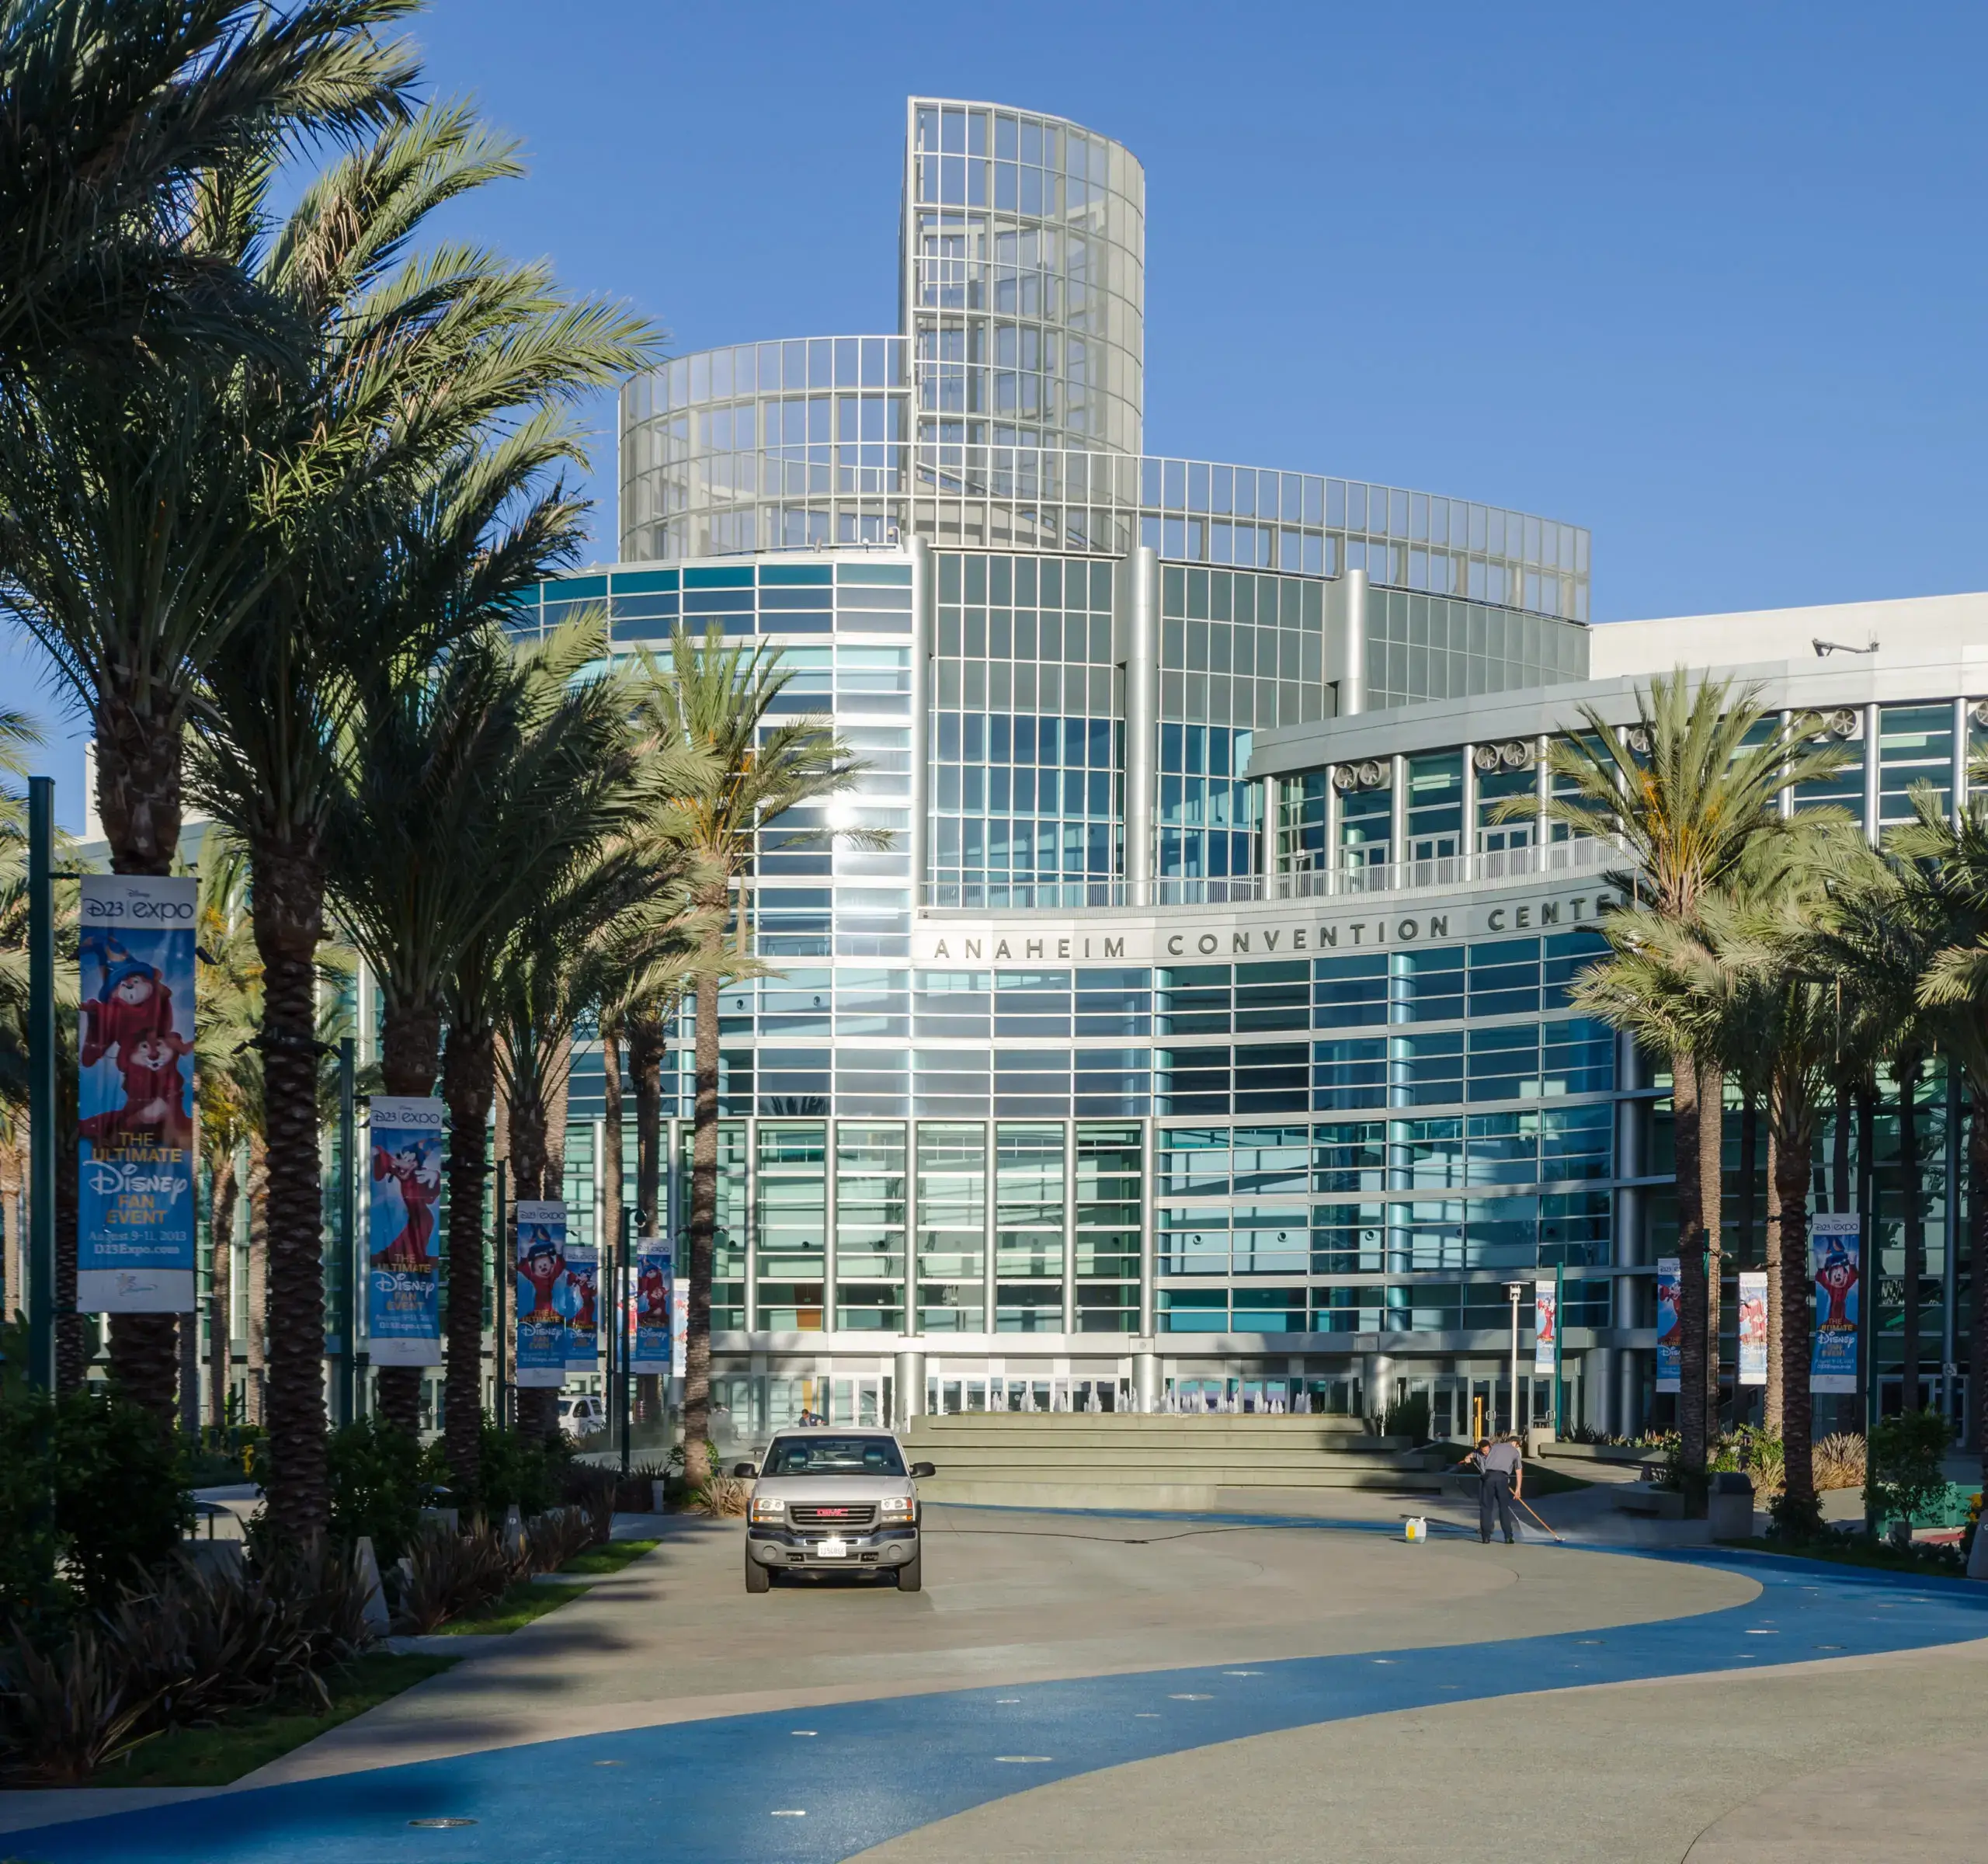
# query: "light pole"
41,1081
348,1308
1513,1291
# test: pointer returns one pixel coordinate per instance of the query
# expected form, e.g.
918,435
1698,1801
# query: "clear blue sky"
1708,279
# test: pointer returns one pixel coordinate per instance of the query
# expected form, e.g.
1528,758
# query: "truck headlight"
768,1507
897,1509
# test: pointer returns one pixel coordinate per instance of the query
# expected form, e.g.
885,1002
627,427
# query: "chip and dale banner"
135,1251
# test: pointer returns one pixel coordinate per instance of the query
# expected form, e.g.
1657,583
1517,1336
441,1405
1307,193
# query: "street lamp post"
1513,1291
41,1081
348,1307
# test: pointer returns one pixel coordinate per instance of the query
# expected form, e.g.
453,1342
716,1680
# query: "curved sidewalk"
1071,1722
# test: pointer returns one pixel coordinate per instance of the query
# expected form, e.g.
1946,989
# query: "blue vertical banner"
1669,1324
403,1308
541,1280
1835,1267
655,1300
135,1094
580,1303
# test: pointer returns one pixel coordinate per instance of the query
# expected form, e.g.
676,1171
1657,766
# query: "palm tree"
717,699
483,774
537,777
118,470
1882,933
1684,793
1944,864
110,111
435,380
228,1079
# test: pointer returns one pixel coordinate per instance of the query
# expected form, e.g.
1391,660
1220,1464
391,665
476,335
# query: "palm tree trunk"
703,1226
1977,1382
1750,1168
1770,1394
468,1085
1910,1064
1711,1199
138,801
1839,1151
1687,1138
221,1296
256,1410
1793,1127
614,1272
288,904
410,1043
532,1169
645,1054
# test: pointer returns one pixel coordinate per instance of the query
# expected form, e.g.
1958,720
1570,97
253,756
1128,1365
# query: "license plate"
833,1548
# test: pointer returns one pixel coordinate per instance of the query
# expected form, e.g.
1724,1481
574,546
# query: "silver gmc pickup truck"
833,1500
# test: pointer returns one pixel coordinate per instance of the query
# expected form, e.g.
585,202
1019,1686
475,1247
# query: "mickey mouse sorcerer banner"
135,1094
1835,1270
541,1280
403,1313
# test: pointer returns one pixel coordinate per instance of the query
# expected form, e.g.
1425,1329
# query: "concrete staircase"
1120,1460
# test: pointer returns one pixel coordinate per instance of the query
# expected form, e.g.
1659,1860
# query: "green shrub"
121,1502
376,1485
1409,1417
1906,1454
521,1468
29,1545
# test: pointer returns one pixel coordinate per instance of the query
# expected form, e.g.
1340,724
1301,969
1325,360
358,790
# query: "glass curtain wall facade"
1206,1027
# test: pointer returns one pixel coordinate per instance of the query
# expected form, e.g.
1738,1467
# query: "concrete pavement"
1324,1652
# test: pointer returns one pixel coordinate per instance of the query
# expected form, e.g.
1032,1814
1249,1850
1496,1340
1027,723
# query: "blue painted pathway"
814,1786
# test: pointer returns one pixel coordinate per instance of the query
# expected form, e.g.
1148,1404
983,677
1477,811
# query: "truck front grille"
833,1518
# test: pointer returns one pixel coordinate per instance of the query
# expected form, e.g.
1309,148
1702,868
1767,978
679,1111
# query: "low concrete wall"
1188,1496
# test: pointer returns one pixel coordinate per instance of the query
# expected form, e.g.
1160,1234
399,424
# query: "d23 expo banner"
135,1094
655,1301
541,1326
1669,1325
1752,1326
579,1300
1545,1327
1834,1267
403,1312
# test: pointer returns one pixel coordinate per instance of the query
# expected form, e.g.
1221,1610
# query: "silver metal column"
1345,641
908,1401
1149,1325
1138,605
924,635
1145,1380
1871,801
1069,1227
1267,861
828,1228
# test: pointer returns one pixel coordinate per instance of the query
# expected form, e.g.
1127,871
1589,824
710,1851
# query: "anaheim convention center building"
1204,1029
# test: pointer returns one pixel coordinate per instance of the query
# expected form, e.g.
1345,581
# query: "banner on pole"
680,1325
1753,1326
656,1307
579,1301
1545,1328
1834,1267
1669,1324
541,1275
403,1310
135,1094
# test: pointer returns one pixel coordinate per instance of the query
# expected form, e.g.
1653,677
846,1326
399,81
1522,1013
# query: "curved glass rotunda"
1205,1029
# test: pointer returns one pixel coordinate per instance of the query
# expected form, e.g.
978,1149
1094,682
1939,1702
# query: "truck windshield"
832,1456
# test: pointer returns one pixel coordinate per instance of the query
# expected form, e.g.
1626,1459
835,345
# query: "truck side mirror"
744,1471
920,1470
